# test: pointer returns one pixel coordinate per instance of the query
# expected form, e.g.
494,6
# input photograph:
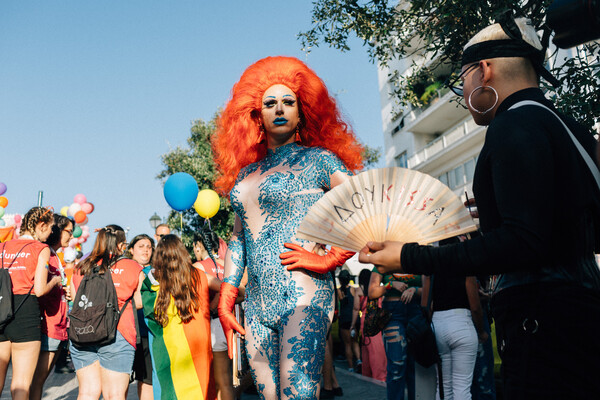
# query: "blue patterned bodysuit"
287,313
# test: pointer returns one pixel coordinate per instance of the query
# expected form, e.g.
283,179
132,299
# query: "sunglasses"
457,84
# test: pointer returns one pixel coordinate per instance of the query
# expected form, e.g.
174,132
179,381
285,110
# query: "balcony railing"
444,141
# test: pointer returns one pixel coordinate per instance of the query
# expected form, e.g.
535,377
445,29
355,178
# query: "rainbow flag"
181,353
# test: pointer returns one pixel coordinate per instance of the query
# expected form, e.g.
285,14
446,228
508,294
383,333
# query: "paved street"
64,387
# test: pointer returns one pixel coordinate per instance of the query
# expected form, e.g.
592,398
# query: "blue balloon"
181,191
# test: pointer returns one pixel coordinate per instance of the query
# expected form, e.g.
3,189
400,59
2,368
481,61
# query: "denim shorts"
117,356
51,344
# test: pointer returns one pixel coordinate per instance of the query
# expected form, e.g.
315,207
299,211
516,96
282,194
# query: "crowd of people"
281,143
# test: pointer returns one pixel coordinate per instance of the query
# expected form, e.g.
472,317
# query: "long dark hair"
60,223
105,252
209,240
177,278
363,280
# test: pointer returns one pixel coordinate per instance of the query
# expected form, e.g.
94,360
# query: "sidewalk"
355,386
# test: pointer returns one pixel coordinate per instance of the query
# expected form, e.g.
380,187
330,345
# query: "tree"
440,28
197,160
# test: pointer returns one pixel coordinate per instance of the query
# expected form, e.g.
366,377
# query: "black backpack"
6,296
95,313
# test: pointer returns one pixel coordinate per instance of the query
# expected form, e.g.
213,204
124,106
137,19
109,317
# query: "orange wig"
237,141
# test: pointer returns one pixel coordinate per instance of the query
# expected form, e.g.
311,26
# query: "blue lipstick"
280,121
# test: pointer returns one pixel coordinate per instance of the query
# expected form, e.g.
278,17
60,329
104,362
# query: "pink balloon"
73,242
17,218
85,235
87,208
79,199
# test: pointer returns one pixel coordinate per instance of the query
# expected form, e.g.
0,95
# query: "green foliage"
197,160
370,156
390,31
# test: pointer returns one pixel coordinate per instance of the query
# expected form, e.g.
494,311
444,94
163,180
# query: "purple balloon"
2,188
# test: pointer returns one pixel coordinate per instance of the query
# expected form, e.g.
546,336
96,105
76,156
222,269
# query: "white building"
441,138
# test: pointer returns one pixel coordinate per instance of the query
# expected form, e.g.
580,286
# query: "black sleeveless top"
449,293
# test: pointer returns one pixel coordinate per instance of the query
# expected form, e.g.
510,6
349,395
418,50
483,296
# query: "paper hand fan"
396,204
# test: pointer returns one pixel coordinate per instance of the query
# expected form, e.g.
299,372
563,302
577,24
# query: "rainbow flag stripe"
181,353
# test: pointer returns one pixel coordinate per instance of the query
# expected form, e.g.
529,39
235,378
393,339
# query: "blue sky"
92,93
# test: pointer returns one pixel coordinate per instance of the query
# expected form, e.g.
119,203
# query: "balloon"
180,191
77,232
93,208
2,223
1,211
2,188
85,228
64,211
73,208
79,217
85,235
69,254
207,203
72,242
87,208
17,218
3,201
84,222
79,199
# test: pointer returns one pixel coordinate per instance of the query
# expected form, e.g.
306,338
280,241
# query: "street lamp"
155,221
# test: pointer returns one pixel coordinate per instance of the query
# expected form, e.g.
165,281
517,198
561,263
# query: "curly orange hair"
236,143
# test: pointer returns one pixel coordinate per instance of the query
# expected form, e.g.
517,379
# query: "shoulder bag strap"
586,157
11,263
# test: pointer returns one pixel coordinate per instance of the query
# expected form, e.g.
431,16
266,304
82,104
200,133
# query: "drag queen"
281,144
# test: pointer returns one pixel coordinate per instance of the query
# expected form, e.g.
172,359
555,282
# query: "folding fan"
386,204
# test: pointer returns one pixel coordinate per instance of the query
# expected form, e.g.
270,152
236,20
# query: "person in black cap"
538,200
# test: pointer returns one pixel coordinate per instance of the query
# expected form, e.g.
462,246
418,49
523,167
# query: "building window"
444,178
470,169
459,176
402,160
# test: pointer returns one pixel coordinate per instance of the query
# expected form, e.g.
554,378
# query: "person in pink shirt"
53,308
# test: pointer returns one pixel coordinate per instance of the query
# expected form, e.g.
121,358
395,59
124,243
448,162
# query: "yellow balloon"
207,203
64,211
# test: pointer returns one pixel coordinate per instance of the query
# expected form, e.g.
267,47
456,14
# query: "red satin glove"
301,258
227,298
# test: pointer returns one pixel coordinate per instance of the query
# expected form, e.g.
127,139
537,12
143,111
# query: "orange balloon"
3,201
79,216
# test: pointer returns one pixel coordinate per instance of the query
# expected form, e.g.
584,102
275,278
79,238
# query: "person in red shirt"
53,307
104,370
26,259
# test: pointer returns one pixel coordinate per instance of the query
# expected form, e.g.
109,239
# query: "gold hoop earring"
481,88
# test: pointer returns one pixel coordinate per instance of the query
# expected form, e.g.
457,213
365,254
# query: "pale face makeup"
280,115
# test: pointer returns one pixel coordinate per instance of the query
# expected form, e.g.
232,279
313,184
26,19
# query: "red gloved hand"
227,298
301,258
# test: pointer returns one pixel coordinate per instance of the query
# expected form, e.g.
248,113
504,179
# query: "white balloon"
73,208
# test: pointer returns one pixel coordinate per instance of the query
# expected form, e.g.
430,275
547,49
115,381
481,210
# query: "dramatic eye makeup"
270,101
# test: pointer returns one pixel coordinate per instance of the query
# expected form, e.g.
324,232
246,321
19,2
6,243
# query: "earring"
481,88
261,134
298,138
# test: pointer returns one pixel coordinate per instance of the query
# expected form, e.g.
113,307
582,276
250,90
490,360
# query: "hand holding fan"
394,203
